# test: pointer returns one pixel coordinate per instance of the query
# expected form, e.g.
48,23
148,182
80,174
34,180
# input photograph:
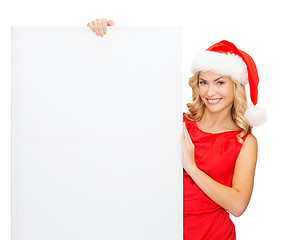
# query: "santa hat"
226,59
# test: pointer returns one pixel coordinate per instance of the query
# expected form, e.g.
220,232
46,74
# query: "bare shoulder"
250,142
248,153
243,176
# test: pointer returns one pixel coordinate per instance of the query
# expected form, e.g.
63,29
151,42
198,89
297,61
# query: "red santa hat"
226,59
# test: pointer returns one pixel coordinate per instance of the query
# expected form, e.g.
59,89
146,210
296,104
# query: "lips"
214,101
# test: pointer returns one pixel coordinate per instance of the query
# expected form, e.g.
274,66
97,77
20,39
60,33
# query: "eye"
220,82
202,82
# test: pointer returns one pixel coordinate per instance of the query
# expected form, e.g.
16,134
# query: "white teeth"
213,101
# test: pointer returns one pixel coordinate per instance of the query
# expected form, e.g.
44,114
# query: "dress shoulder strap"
246,135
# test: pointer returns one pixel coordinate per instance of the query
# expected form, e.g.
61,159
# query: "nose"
211,90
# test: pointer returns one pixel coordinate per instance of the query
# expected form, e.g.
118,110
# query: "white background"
267,30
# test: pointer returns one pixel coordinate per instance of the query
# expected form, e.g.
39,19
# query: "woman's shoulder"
184,114
186,117
250,140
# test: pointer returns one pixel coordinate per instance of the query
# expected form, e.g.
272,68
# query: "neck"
217,120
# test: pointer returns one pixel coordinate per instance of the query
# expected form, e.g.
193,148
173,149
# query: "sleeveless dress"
215,154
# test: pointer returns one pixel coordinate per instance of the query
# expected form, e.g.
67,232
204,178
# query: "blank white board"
96,127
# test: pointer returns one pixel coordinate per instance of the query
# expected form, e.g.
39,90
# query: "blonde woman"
219,152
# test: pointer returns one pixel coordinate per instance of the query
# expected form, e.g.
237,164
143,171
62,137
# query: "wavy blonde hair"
196,108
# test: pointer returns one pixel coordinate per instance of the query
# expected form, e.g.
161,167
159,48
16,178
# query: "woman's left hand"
188,150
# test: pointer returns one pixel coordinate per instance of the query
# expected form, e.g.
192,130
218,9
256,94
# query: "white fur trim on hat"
221,63
254,115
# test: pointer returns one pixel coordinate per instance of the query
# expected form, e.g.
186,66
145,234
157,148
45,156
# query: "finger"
183,131
110,22
104,26
187,134
97,27
94,24
91,26
183,138
189,139
100,27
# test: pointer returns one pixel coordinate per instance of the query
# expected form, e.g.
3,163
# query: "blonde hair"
196,108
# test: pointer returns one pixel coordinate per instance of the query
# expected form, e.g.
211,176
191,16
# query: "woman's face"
216,91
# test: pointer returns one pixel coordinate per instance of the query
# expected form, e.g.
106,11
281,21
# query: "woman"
219,152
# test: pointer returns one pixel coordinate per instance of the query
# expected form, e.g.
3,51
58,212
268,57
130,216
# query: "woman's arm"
234,199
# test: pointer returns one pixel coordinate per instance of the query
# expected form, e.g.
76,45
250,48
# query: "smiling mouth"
214,101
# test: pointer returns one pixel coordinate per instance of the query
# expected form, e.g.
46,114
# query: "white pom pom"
255,116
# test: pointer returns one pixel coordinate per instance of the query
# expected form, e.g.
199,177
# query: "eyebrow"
214,80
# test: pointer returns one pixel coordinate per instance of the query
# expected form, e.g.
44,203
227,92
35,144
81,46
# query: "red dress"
215,154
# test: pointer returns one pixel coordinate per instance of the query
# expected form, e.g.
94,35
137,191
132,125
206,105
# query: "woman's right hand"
99,26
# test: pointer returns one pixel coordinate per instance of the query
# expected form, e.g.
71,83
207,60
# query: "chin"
215,109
